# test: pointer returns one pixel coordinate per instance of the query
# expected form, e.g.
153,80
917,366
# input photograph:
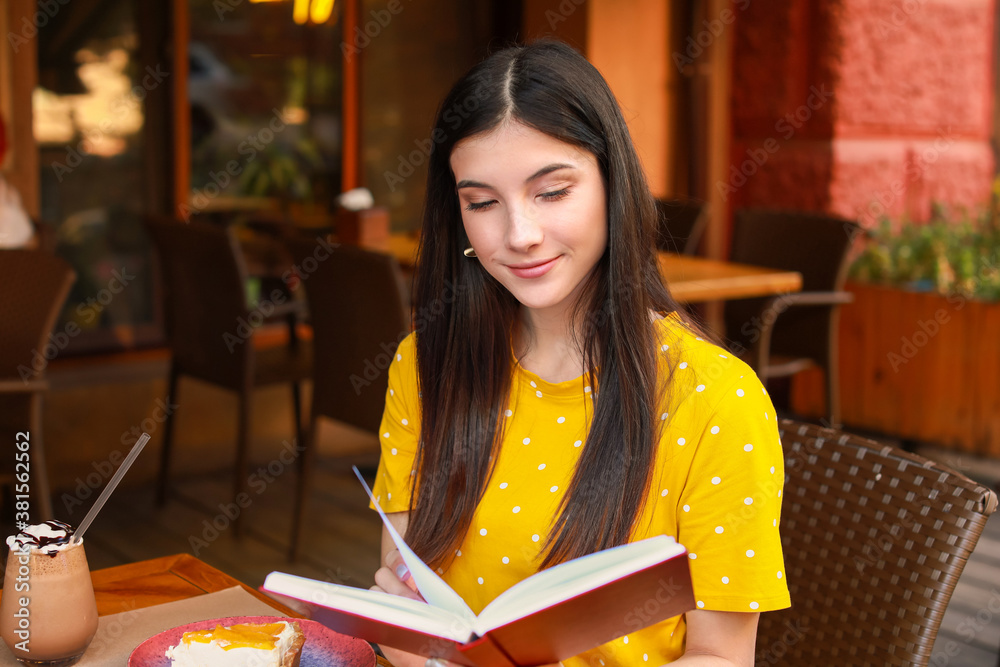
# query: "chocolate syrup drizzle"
42,542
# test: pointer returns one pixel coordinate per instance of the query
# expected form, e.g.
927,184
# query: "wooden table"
693,279
152,582
690,279
167,579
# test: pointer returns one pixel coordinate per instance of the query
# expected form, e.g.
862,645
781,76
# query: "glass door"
264,88
90,127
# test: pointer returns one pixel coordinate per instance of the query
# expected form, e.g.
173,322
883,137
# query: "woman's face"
534,209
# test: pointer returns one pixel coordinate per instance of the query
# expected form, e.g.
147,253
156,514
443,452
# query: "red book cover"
551,629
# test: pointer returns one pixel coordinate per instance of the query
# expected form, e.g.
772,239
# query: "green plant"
945,255
282,171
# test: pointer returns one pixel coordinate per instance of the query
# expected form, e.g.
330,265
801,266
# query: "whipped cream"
50,538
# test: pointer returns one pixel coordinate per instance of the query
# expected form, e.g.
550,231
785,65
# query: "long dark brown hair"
464,354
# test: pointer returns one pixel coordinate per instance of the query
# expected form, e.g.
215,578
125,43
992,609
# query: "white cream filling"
211,654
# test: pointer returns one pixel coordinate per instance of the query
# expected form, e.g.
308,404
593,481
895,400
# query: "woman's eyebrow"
472,184
548,170
466,183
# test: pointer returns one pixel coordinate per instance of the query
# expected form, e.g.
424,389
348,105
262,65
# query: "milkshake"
48,615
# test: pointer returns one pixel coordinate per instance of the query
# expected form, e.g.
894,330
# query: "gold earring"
470,252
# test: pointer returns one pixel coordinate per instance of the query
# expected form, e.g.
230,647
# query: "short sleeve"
729,513
399,432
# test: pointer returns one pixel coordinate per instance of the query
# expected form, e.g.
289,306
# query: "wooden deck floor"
342,545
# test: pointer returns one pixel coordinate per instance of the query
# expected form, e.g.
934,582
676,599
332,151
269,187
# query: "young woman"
553,400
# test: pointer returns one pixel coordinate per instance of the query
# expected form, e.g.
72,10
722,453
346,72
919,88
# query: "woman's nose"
524,230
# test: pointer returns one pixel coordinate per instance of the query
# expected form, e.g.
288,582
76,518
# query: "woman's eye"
479,205
555,195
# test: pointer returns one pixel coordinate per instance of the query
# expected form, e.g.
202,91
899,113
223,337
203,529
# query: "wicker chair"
35,286
360,312
874,540
786,334
211,333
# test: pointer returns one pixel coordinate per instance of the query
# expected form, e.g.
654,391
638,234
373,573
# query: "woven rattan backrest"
815,245
874,541
33,287
359,312
208,321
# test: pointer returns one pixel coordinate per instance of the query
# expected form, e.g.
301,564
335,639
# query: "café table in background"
690,279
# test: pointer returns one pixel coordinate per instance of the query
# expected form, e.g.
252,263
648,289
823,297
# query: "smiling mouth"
535,270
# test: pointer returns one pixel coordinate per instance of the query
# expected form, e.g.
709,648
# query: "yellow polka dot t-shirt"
716,487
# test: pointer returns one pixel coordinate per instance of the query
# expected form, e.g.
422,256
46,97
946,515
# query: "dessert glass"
48,614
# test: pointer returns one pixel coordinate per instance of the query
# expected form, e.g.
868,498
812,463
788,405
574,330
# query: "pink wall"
862,106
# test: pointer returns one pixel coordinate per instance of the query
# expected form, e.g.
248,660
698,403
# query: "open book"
554,614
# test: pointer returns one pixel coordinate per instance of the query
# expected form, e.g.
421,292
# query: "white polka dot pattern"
711,489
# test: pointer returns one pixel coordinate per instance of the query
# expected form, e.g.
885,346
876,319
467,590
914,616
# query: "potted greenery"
947,257
920,346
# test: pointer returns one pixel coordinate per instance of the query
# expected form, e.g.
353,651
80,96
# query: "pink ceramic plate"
323,646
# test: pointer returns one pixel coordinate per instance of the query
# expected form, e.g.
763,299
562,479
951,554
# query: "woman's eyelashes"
554,195
479,205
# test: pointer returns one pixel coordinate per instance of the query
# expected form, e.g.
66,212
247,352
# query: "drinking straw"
103,498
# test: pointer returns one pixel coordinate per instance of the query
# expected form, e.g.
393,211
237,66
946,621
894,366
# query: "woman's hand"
394,577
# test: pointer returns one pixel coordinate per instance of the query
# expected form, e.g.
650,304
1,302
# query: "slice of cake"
242,645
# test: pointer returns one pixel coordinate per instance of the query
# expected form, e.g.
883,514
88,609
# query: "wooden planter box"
917,365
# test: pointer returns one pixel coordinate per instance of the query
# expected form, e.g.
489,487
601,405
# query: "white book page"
378,606
432,587
567,580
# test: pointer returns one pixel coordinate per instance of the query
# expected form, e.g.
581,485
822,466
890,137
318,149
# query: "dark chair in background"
360,312
208,315
33,287
46,236
874,540
682,222
783,335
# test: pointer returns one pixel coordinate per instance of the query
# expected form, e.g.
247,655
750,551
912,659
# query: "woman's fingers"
402,659
394,562
388,580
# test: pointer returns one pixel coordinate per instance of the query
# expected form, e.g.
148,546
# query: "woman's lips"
533,270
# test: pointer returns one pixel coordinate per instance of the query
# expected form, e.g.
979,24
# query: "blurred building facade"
114,107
